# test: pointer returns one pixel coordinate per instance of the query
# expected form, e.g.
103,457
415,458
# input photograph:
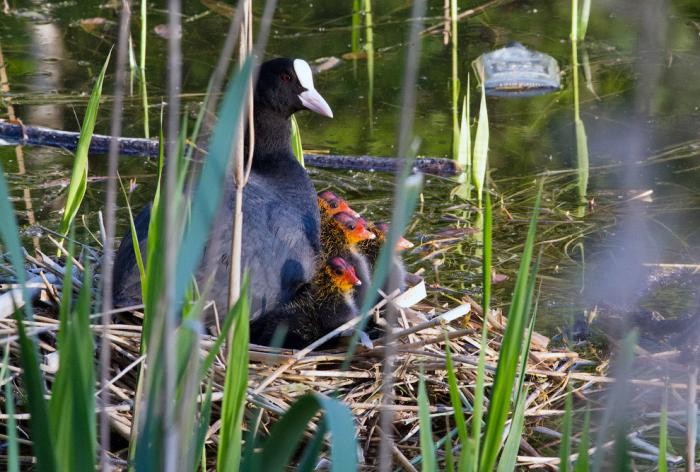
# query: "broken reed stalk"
110,227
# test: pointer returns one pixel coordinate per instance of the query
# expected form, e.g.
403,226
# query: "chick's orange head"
354,229
331,204
401,244
342,274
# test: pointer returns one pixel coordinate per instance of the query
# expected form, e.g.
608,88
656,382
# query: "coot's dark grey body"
280,212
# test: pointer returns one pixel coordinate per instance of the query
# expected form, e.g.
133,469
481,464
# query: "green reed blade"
12,456
455,399
288,431
202,428
209,187
9,234
42,443
584,16
582,461
506,371
481,147
355,35
297,148
369,50
566,433
309,458
235,386
142,68
509,456
78,180
662,464
427,445
455,85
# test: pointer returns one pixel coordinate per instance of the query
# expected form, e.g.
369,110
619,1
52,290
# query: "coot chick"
370,250
318,308
329,203
281,228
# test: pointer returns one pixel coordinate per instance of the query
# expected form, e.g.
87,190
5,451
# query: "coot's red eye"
333,204
338,272
286,77
351,226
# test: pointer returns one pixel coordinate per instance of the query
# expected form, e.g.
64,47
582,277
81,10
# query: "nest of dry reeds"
278,377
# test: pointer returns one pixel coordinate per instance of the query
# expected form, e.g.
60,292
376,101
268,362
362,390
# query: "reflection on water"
641,125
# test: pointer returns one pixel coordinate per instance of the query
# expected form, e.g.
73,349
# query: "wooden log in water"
15,133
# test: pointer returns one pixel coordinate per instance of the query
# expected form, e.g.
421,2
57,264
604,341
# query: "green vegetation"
472,394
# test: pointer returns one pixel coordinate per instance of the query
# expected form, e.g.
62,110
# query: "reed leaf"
455,85
209,187
481,147
288,431
584,16
9,234
662,464
369,50
12,456
202,428
235,385
309,458
509,456
42,443
582,159
582,460
472,460
506,370
356,23
565,447
142,68
427,446
297,148
78,180
456,402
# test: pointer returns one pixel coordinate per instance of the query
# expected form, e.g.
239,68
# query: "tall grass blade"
662,465
456,403
142,68
297,148
235,386
286,433
403,207
506,371
509,456
209,187
615,414
12,446
9,234
447,445
455,85
309,459
481,147
202,427
427,446
565,447
78,180
42,443
478,413
355,35
584,16
582,159
369,50
582,460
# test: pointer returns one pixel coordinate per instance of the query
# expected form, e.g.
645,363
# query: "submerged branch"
16,133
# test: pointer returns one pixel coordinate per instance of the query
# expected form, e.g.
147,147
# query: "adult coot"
317,309
280,213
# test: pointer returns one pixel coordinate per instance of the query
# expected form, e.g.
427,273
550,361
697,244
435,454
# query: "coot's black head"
286,86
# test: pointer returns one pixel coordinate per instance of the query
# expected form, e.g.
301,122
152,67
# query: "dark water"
642,116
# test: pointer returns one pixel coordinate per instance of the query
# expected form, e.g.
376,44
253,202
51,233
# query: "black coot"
280,213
